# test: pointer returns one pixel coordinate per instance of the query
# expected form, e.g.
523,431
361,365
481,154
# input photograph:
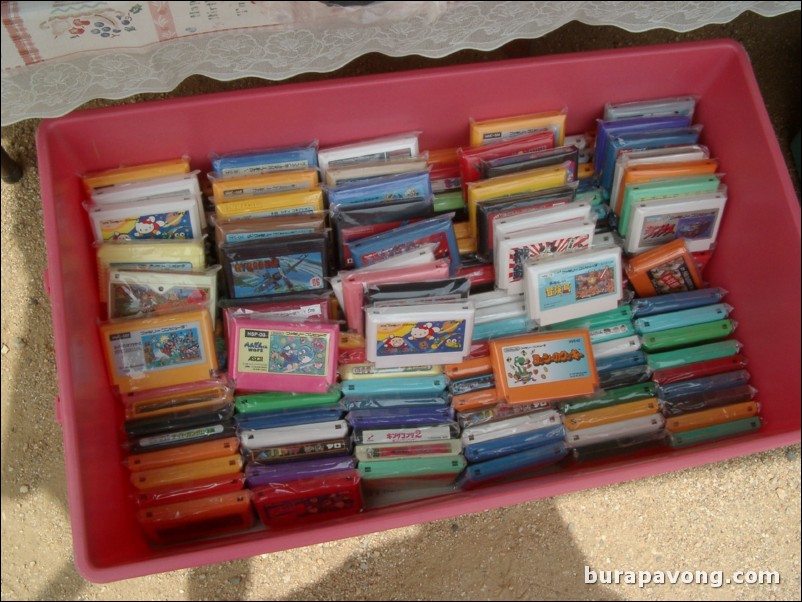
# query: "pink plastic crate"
757,259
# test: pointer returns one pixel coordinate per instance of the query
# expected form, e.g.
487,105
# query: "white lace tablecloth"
58,55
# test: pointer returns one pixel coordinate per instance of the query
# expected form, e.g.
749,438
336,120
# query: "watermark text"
713,579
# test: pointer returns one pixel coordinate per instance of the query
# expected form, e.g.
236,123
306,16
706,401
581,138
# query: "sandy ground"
738,515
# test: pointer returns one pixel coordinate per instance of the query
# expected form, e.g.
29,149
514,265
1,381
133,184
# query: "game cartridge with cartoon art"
434,334
270,355
159,351
544,366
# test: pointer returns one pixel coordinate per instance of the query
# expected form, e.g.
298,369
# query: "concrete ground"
739,515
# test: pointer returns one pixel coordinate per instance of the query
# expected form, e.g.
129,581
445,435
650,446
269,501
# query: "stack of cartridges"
414,320
472,388
706,408
702,381
148,217
276,427
498,314
297,493
361,178
270,231
517,430
520,176
475,398
618,420
507,446
660,183
184,459
493,431
404,430
682,343
297,448
525,240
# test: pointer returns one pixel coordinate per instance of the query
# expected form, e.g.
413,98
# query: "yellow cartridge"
269,205
712,417
123,175
507,128
508,185
230,189
190,471
616,413
173,255
184,454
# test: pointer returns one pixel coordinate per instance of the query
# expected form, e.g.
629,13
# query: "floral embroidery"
104,23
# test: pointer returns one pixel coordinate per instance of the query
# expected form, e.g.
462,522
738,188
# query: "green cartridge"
714,433
692,355
448,201
603,326
610,397
274,401
686,336
412,467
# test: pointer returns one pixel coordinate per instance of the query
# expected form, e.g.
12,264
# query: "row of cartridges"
389,435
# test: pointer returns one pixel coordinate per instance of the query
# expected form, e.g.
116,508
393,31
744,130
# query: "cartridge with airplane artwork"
297,264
